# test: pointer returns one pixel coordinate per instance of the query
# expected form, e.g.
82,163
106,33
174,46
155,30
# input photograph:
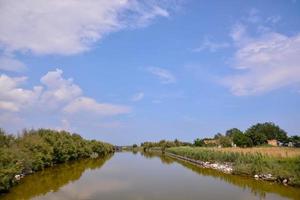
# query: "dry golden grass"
279,152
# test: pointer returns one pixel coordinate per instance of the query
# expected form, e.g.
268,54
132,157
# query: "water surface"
139,176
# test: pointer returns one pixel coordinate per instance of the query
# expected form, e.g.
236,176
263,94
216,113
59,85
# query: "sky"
128,71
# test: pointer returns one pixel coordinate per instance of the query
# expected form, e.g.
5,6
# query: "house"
272,142
290,144
210,142
232,144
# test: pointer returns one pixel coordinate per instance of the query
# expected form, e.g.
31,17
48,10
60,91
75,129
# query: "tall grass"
247,163
278,152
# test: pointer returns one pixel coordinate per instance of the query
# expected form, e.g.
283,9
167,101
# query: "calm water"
136,176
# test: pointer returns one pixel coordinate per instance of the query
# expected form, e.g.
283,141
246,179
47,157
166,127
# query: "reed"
277,152
250,162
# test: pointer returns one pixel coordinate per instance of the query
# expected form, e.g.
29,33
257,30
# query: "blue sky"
129,71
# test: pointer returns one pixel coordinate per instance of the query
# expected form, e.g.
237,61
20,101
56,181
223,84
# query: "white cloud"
57,98
8,63
6,105
138,96
238,33
69,26
274,19
264,63
211,46
164,75
253,16
13,97
146,17
58,90
85,104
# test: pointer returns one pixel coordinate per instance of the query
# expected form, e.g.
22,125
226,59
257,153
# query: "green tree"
218,135
231,132
225,141
257,137
294,139
241,140
261,132
5,139
35,149
177,142
198,142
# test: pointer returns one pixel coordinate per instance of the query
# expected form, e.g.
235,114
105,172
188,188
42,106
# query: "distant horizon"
130,71
157,140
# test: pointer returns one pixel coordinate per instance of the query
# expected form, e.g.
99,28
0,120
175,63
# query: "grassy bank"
277,152
36,149
247,163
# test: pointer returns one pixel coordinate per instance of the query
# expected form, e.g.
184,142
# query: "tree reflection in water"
258,188
52,179
138,176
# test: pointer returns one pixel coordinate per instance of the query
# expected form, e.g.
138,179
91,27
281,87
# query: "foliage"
241,140
218,135
257,134
294,139
198,142
177,142
34,150
163,144
232,132
246,163
225,141
260,133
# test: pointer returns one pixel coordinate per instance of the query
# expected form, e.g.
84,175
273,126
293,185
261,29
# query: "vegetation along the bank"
259,134
250,153
34,150
281,169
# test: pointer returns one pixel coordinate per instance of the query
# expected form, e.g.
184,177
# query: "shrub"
35,149
246,163
241,140
198,142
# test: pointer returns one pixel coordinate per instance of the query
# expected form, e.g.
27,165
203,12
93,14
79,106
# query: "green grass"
246,163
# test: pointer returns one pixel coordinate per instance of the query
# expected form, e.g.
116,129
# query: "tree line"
34,150
255,135
163,144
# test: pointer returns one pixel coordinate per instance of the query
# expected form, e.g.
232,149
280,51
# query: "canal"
140,176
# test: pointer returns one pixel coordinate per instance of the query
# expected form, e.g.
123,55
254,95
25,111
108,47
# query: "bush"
260,133
198,143
225,141
36,149
246,163
163,144
231,132
241,140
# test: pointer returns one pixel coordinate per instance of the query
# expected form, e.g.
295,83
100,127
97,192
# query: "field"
277,152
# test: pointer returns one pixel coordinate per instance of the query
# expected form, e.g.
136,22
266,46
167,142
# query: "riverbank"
53,178
35,150
259,166
151,176
223,167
